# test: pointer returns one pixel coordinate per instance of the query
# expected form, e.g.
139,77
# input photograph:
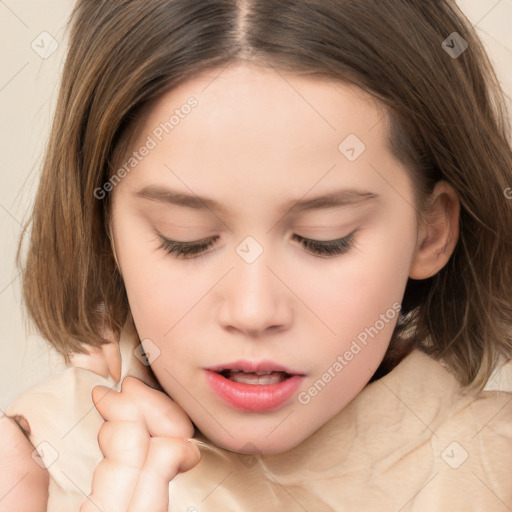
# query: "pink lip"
253,397
253,366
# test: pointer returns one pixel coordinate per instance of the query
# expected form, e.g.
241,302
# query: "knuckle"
165,456
101,395
183,421
176,447
131,384
123,440
106,433
118,406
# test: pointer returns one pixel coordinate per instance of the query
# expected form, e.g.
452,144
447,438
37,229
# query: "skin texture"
258,140
23,482
143,448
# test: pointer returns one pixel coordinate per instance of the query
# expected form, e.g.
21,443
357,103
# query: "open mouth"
255,378
254,387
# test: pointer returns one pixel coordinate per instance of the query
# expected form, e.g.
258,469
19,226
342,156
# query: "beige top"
412,441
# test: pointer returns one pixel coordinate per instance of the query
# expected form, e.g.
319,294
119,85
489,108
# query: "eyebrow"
339,198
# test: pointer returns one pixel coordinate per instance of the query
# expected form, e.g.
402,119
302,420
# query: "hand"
144,448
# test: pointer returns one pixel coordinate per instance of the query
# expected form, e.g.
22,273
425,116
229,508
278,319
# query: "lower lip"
253,397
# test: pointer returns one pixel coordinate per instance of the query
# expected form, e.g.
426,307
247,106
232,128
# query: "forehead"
256,129
255,97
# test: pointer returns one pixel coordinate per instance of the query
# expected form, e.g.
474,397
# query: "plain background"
28,87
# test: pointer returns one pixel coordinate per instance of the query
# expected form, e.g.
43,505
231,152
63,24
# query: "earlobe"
438,236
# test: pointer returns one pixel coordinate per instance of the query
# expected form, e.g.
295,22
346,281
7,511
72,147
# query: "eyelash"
329,247
188,250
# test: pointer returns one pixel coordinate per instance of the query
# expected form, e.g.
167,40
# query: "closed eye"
186,250
325,248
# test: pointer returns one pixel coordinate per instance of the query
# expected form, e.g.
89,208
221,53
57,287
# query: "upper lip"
254,366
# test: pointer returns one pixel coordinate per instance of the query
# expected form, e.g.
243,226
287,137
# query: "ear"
438,234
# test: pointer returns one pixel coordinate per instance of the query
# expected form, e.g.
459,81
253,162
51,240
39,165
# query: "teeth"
256,373
261,378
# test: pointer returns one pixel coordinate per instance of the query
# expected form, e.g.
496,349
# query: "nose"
254,301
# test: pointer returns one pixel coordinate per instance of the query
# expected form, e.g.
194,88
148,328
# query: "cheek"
361,307
359,299
159,289
352,291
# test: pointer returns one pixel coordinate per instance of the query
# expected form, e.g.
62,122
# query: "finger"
165,459
112,487
124,446
124,441
114,405
163,416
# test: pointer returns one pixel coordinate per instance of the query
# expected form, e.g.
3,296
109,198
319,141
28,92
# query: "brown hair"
447,121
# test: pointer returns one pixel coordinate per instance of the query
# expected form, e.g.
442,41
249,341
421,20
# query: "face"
265,227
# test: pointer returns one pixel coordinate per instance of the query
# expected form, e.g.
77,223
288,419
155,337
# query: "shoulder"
473,451
490,414
484,415
23,482
459,441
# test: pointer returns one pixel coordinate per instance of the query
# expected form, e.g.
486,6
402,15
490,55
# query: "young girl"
282,229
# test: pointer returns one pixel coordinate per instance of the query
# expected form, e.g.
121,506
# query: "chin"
256,443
